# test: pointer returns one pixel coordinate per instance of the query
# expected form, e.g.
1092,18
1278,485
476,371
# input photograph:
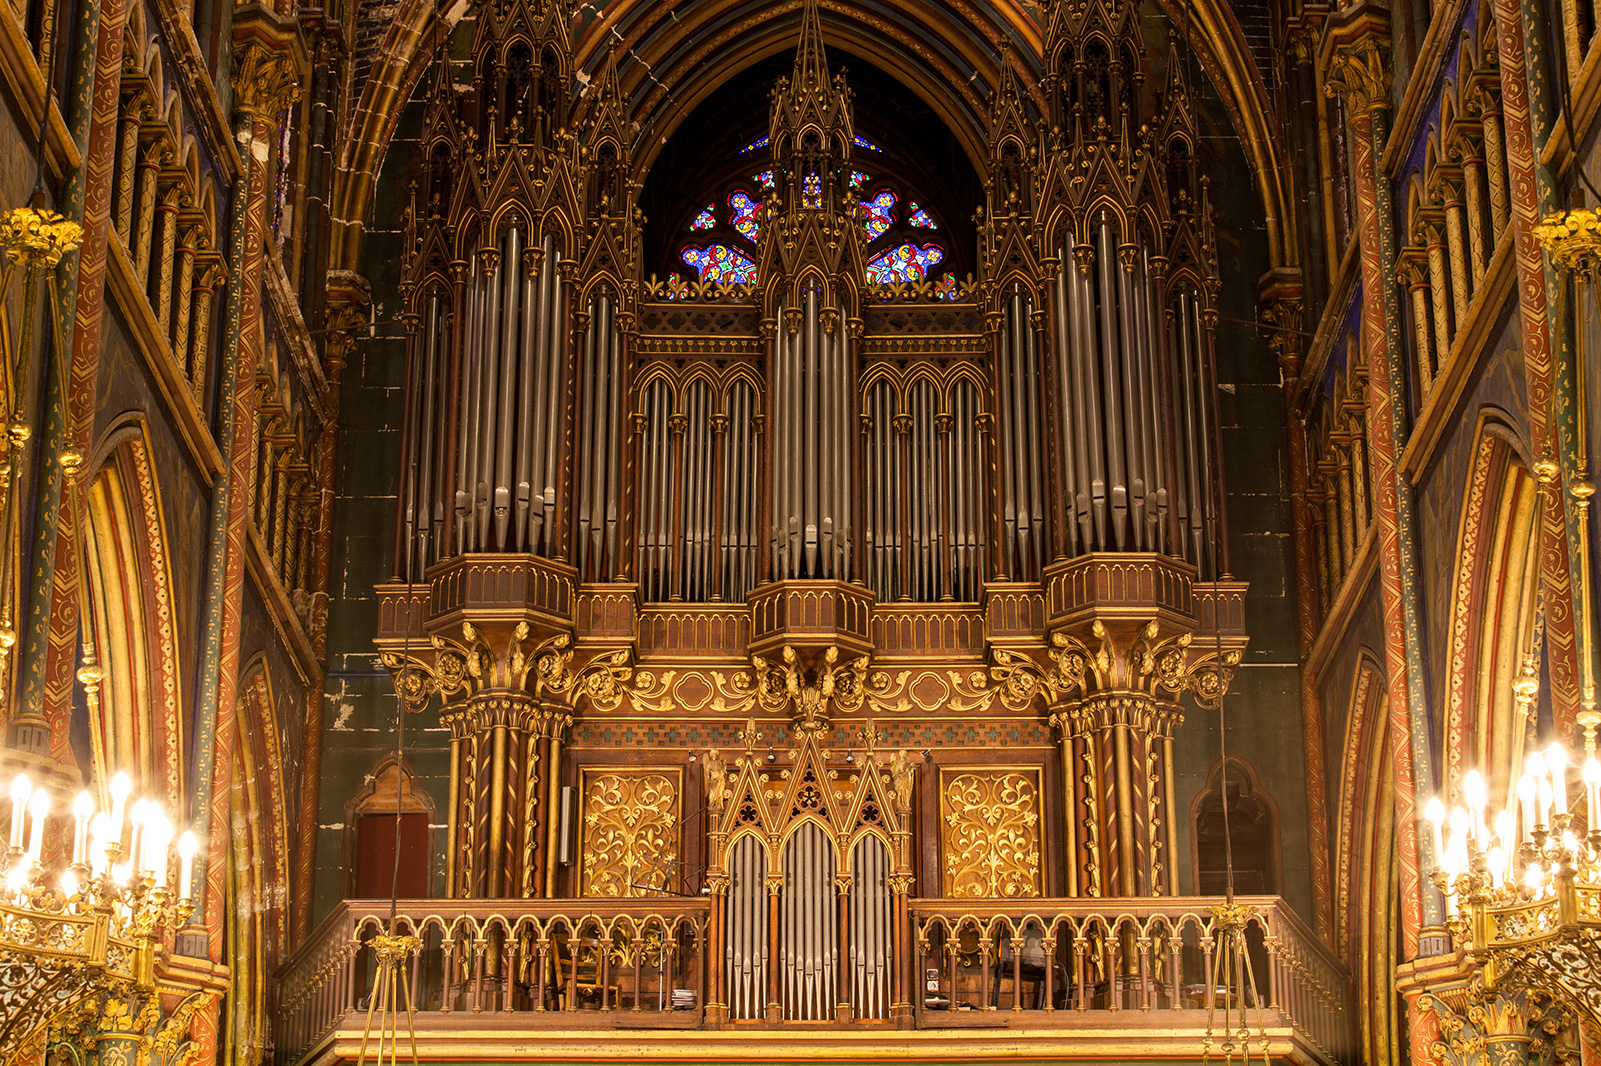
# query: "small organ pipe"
1032,376
522,483
808,421
1116,472
510,267
554,418
587,432
1066,420
614,431
483,496
1134,405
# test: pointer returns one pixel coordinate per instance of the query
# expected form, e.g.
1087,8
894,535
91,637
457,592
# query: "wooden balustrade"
506,965
545,961
1053,956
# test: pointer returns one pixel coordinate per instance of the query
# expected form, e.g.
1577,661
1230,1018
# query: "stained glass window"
718,262
764,178
858,178
863,142
812,193
760,142
705,220
919,218
880,213
906,262
745,210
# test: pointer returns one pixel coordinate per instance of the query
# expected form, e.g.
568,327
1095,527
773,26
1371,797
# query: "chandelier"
1522,885
75,936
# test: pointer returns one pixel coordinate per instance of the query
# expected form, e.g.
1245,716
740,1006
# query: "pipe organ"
825,465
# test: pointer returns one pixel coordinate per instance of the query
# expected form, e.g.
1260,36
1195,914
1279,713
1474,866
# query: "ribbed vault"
671,57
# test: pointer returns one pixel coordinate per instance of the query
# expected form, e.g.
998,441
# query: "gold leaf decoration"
992,844
630,832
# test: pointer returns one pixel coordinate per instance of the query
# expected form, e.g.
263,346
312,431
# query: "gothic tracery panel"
991,832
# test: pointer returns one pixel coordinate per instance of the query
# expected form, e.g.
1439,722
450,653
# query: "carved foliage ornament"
630,832
992,840
1519,1025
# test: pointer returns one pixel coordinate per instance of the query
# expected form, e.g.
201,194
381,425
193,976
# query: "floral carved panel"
630,844
991,832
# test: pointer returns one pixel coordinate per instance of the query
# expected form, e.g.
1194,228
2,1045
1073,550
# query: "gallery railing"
1050,956
627,963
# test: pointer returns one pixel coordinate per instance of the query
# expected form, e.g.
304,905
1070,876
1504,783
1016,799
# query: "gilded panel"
991,832
631,825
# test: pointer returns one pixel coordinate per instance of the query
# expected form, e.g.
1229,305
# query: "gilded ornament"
36,237
630,832
992,843
1572,239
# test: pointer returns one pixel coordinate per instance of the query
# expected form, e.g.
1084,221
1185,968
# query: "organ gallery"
815,530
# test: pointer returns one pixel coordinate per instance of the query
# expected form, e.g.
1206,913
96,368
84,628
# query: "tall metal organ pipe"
1133,354
925,518
600,429
699,463
498,484
811,388
746,957
809,934
1022,496
870,935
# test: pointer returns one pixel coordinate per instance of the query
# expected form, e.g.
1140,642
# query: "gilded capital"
1356,47
264,81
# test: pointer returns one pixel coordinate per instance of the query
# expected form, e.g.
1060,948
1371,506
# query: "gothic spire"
811,112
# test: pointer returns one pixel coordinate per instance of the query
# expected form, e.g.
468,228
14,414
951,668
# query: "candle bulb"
1556,760
1526,791
120,787
187,846
99,842
20,791
157,840
137,817
1473,791
38,808
83,809
1435,813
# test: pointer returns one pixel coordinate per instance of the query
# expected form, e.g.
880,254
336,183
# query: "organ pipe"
496,475
811,388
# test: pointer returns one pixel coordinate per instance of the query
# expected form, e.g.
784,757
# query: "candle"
100,843
1557,760
187,846
120,787
38,807
1526,791
157,838
1473,791
20,791
1545,801
1435,813
137,817
83,809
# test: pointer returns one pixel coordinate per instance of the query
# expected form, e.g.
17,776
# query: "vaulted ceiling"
672,56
